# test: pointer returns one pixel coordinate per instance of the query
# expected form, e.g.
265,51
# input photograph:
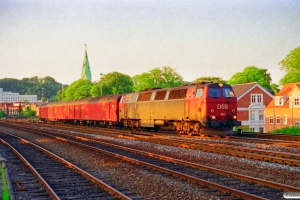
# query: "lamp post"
273,119
101,74
42,94
293,103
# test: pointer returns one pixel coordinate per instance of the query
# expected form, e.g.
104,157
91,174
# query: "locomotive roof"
210,84
110,98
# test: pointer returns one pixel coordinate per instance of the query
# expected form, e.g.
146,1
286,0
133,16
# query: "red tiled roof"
286,89
240,89
284,92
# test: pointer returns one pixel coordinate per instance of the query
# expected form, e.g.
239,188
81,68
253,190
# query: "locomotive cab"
221,108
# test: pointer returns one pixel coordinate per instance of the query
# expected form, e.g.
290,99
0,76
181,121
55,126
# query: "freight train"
206,108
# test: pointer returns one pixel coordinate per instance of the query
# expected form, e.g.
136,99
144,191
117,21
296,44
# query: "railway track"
286,137
211,146
237,185
282,140
24,184
59,178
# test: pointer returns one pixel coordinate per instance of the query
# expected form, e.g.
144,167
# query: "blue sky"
196,37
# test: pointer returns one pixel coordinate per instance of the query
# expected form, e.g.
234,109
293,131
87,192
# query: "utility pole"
42,94
101,74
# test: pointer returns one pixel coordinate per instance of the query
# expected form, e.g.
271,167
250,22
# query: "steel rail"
90,177
243,152
219,187
49,190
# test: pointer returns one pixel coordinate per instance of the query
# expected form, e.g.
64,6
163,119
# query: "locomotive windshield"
216,92
227,92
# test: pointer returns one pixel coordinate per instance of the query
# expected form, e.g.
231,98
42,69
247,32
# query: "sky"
195,37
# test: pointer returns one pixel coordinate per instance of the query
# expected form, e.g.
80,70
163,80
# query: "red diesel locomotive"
207,108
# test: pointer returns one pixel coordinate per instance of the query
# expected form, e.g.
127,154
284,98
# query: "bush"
2,114
289,130
28,112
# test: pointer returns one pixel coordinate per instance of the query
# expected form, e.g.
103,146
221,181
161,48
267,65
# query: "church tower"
86,71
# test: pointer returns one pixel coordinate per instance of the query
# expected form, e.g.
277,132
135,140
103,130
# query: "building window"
278,101
296,101
261,115
271,119
259,98
285,120
256,98
253,98
277,119
252,115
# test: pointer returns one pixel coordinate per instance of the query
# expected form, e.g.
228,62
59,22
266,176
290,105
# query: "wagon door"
199,104
71,111
189,112
108,110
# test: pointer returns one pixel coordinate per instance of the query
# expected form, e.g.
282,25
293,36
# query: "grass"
5,190
290,130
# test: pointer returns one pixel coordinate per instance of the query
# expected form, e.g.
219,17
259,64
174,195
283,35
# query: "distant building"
10,97
86,71
284,110
12,108
35,107
252,100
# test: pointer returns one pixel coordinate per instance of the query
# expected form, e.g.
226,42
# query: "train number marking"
222,106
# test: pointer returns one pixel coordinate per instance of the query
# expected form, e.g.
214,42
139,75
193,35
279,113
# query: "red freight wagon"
43,112
99,110
103,110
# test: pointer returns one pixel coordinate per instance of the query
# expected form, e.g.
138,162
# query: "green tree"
292,61
112,83
28,112
209,79
290,77
275,88
291,65
142,81
32,86
2,114
78,90
165,77
252,74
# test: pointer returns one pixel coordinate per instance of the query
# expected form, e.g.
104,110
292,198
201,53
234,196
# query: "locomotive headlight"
234,117
212,111
213,117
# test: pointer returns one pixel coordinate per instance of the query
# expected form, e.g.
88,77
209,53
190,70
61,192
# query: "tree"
252,74
112,83
291,64
165,77
28,112
290,77
2,114
142,81
32,86
77,90
209,79
275,88
292,61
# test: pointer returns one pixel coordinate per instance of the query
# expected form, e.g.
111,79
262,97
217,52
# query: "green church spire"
86,71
